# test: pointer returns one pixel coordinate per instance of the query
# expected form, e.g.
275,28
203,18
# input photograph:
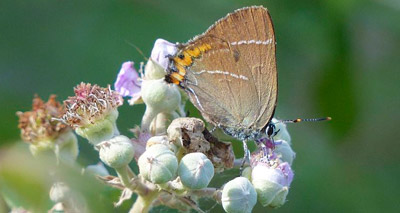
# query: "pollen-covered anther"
90,104
39,124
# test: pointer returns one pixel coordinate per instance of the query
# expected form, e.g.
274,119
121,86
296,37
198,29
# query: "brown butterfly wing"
234,84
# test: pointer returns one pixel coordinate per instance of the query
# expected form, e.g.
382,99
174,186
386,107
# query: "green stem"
124,175
147,118
143,202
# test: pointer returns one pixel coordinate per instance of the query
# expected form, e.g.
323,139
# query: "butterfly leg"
245,157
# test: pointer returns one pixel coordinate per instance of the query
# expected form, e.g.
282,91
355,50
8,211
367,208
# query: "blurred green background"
337,58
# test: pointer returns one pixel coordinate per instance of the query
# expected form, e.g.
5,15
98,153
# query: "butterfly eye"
270,130
181,56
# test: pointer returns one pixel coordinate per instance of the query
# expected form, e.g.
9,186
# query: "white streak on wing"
258,42
195,96
223,73
198,73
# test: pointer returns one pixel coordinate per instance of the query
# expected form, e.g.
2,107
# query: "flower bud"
161,140
153,70
97,169
286,153
159,96
116,152
238,196
59,192
272,184
282,133
158,164
247,173
195,170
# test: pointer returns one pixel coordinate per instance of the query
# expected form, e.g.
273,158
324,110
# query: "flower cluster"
44,132
177,156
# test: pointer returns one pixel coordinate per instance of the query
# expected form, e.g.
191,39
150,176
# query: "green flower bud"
153,70
158,164
247,173
161,140
238,196
97,169
101,130
195,170
116,152
286,153
159,96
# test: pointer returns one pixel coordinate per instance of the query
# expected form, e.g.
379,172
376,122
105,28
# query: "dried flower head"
90,104
39,124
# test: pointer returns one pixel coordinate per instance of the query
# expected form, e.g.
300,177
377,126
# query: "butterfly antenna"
137,49
306,120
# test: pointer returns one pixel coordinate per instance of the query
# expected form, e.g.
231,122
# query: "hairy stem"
143,202
124,175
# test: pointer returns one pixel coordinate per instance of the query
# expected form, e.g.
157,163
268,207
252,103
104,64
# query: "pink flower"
161,50
140,141
128,83
286,172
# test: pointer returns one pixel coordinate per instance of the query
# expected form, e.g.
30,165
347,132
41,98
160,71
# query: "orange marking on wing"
181,69
204,47
194,52
185,61
188,55
177,77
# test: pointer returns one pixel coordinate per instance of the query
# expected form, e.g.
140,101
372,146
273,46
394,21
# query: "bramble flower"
92,112
38,125
161,99
284,151
139,141
177,156
161,50
272,183
128,83
44,132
